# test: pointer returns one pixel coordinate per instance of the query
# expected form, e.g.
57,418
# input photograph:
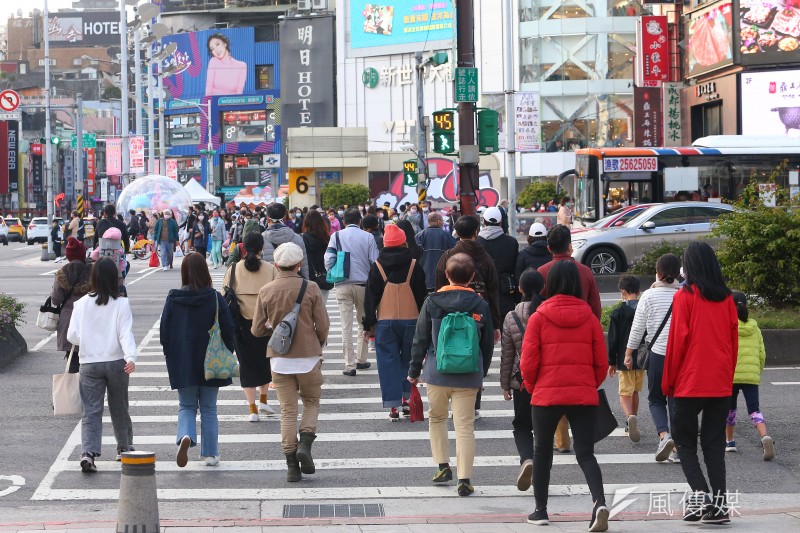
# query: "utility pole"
468,152
151,127
422,138
511,134
162,148
79,146
47,130
123,79
137,61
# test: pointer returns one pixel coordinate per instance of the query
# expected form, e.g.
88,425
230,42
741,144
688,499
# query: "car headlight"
578,243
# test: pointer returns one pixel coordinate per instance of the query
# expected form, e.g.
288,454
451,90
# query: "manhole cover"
339,510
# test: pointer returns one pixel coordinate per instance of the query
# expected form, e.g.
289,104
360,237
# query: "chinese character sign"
647,117
172,168
652,51
671,113
114,157
306,72
91,169
528,130
136,151
4,175
770,102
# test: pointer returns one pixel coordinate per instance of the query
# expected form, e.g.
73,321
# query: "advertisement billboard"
766,31
308,95
4,177
773,103
379,27
647,119
211,63
13,155
114,156
87,28
709,38
652,51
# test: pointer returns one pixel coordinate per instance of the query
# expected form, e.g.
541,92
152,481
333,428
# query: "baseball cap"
493,215
537,230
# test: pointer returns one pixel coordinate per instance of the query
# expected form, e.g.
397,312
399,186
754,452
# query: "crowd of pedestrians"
433,294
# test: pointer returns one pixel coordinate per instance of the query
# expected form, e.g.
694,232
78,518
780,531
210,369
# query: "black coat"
201,227
503,250
185,321
532,256
108,223
315,250
395,262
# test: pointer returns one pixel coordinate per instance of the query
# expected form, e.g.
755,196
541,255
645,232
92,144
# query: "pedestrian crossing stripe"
369,372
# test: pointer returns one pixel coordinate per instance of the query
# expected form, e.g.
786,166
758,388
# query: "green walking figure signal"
444,132
410,173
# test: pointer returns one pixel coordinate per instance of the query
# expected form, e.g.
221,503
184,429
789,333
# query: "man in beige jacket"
300,369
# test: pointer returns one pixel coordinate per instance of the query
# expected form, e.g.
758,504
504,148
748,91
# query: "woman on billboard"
225,75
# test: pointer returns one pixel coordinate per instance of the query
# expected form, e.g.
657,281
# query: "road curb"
12,345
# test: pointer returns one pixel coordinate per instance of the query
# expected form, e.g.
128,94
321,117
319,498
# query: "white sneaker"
254,417
165,269
665,447
212,461
265,409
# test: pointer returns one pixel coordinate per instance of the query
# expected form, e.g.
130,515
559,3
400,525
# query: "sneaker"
372,344
212,460
524,476
538,517
716,515
165,269
394,415
406,408
600,515
464,488
768,446
730,446
254,417
673,457
350,373
564,450
182,457
363,366
443,476
264,409
87,464
633,428
477,414
665,447
120,452
695,506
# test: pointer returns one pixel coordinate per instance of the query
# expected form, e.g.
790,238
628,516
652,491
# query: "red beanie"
393,236
75,250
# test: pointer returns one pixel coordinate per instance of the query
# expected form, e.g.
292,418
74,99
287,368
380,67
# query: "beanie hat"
288,255
393,236
75,250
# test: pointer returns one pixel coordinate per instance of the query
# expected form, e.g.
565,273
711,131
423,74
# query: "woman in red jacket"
698,372
563,363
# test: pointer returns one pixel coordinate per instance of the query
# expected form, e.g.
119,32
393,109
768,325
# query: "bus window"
586,200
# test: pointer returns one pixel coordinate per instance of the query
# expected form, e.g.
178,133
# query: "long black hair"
703,272
531,284
564,278
105,280
741,305
411,241
253,244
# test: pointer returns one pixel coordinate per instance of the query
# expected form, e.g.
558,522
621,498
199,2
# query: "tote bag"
66,391
605,421
47,319
340,270
220,363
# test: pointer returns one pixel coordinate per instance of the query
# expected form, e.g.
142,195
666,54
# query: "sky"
9,7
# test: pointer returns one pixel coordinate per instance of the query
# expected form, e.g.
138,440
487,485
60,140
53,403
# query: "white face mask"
341,213
395,218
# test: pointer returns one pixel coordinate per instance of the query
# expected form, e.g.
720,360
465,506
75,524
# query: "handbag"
67,392
508,283
643,356
220,363
415,405
605,421
153,259
340,270
47,318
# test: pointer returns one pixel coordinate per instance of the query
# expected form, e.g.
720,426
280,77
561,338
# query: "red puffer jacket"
563,358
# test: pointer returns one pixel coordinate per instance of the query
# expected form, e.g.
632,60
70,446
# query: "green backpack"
457,348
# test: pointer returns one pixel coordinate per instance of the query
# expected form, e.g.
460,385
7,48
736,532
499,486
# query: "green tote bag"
220,363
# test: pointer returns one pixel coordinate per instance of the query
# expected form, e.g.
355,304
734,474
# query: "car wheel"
604,261
30,242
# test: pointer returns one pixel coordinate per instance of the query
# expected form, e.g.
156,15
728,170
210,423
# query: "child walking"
630,381
746,378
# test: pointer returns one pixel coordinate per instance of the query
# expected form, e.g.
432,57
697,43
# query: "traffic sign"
466,84
89,140
9,100
16,115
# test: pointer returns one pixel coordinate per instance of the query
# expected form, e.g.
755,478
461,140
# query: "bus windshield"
585,190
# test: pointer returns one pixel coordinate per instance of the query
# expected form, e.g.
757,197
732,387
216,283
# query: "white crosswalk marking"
359,454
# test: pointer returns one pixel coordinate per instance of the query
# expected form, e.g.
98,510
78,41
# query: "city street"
362,459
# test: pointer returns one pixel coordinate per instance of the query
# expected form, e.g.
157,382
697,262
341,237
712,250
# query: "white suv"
39,230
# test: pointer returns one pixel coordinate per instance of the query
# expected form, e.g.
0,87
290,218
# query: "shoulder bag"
229,293
66,391
644,355
47,319
283,334
220,363
605,421
340,270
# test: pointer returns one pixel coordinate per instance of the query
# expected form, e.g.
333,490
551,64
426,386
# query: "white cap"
288,255
493,215
537,230
481,208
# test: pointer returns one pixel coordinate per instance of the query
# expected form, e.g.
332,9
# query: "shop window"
245,126
183,130
265,77
325,177
621,53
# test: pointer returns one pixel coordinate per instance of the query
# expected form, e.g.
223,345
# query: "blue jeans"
165,252
206,398
662,409
393,339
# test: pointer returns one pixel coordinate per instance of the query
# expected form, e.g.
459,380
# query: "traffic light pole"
511,134
47,132
422,137
467,169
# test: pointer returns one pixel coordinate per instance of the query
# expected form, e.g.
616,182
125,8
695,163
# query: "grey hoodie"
278,234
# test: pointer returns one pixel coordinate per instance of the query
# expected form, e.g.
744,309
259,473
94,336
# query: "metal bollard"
137,510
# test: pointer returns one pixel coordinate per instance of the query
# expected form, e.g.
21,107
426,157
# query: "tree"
350,194
537,191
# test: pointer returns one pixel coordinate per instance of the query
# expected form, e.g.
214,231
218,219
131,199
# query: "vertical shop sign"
90,172
652,51
36,172
528,135
13,155
647,117
113,156
136,151
307,82
4,169
671,113
69,174
172,168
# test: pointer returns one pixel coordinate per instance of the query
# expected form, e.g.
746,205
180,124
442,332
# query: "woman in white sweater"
102,326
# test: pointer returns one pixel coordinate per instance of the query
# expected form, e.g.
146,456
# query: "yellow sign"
298,180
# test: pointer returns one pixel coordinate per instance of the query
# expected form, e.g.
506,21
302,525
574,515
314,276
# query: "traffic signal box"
444,136
410,173
488,134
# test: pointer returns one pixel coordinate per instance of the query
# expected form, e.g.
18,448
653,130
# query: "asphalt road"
361,456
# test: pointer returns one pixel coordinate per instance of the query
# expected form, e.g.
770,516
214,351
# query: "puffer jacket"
752,355
511,343
73,280
563,353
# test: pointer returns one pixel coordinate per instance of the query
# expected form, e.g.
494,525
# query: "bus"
713,169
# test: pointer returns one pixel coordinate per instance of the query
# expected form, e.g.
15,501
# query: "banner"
114,156
136,151
770,103
306,72
652,51
647,119
90,172
69,174
4,175
671,113
13,155
172,168
528,134
36,171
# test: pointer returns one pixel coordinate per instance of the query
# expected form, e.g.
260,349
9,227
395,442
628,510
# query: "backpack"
457,347
283,334
229,294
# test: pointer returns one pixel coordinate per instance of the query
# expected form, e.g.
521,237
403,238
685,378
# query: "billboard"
308,95
773,103
379,27
114,156
766,32
652,51
211,63
709,36
86,28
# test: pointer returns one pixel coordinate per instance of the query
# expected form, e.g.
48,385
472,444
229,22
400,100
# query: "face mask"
395,218
297,215
200,218
341,213
569,204
425,209
414,211
167,215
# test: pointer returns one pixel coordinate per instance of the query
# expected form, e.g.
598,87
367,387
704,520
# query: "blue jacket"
172,230
434,242
185,321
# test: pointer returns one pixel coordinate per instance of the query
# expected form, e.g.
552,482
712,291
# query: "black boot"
304,452
293,475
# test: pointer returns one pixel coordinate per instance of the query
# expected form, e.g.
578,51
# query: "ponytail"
741,306
253,244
